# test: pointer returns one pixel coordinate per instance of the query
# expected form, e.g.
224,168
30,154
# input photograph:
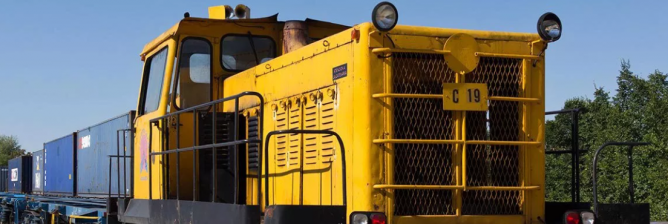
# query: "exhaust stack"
295,36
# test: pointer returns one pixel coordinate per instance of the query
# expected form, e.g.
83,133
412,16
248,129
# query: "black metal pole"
118,166
165,159
561,111
629,155
148,161
576,149
235,137
109,194
132,160
178,157
259,150
194,155
213,155
125,165
575,157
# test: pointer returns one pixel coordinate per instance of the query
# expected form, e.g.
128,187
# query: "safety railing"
124,157
574,151
203,108
629,155
319,132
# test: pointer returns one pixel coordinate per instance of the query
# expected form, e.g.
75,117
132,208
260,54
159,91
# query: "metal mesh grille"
431,164
494,165
422,164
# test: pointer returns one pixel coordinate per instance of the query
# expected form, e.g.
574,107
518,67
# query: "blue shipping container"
59,165
38,172
20,175
94,146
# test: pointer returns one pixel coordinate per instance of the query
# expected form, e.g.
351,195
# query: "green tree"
9,148
638,111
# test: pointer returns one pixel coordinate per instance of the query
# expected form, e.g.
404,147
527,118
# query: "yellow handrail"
81,217
456,187
420,187
518,56
447,141
432,51
399,50
437,96
417,141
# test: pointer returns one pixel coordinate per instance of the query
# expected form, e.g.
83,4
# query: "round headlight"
360,218
549,27
384,16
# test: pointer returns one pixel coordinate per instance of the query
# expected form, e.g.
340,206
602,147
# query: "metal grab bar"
118,170
432,51
440,96
630,157
204,105
320,132
452,142
456,187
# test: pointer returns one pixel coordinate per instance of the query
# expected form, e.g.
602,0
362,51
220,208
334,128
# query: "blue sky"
65,65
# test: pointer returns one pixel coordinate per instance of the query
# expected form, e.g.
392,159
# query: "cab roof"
192,21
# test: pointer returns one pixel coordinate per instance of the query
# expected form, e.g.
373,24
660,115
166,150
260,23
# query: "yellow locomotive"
250,120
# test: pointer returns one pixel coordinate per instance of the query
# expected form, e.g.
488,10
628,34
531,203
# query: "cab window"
194,73
154,73
238,53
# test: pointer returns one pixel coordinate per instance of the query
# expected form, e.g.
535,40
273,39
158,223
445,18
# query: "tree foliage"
638,112
9,148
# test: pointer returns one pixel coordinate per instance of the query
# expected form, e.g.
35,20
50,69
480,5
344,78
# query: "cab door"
152,103
191,87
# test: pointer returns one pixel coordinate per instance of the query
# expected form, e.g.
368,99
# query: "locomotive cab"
186,66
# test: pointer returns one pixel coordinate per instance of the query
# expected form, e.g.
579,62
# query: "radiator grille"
422,164
432,164
494,165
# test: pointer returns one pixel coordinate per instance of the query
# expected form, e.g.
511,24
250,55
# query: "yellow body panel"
302,91
361,120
